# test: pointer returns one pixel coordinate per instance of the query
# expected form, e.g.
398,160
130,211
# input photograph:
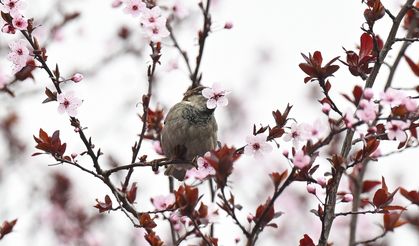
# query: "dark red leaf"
306,241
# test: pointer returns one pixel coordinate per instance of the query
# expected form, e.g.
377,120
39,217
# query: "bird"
190,130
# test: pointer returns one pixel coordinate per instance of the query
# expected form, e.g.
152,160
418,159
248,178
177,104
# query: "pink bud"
347,198
311,189
285,153
228,25
74,155
326,108
77,77
368,93
116,3
250,218
76,130
321,181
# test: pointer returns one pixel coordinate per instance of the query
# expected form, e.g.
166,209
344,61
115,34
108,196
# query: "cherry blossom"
7,28
179,9
316,130
163,202
395,130
20,23
157,31
204,169
134,7
297,134
216,96
367,111
12,6
19,54
300,159
410,104
257,145
150,17
77,77
69,103
391,97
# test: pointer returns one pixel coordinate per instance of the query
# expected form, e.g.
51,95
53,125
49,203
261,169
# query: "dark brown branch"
402,51
181,51
202,36
200,232
150,74
258,225
366,242
360,212
232,213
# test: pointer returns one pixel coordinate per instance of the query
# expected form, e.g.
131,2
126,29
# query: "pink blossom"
349,119
134,7
216,96
410,104
316,130
391,97
297,134
7,28
12,6
347,198
257,145
157,31
150,17
367,111
20,23
163,202
19,54
300,159
77,77
368,93
204,169
69,103
179,9
395,130
311,188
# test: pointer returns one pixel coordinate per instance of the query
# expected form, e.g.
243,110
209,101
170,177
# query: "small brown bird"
190,130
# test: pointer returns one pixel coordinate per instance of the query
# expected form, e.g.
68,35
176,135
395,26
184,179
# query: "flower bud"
77,77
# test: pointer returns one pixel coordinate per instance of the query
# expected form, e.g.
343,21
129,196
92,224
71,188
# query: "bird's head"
194,96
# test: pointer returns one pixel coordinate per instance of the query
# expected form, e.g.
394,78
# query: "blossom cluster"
152,21
368,111
14,8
